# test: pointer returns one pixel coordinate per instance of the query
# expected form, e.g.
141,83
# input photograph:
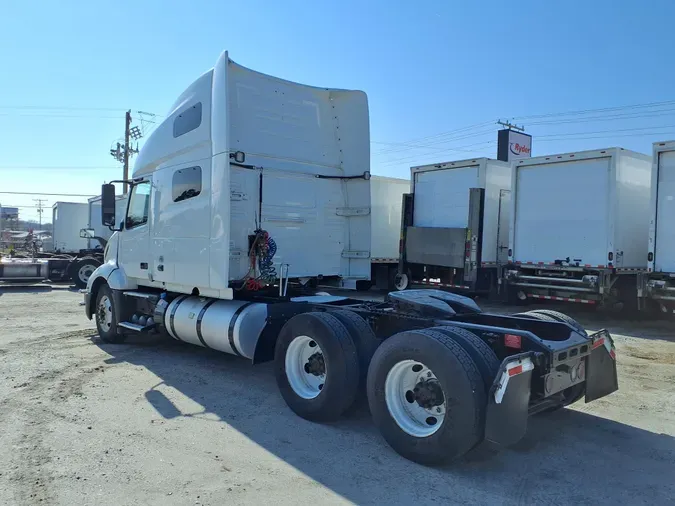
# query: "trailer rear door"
442,197
664,254
562,212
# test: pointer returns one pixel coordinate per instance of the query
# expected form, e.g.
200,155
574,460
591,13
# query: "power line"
654,134
48,194
55,167
602,109
61,108
59,116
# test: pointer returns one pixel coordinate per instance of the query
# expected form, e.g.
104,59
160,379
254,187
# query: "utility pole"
511,126
127,127
39,209
124,151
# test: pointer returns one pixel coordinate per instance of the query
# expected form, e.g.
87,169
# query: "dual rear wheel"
426,389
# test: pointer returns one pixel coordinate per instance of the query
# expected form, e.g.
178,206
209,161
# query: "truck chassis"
440,375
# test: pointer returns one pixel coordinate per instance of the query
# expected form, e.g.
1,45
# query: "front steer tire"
462,428
106,316
341,362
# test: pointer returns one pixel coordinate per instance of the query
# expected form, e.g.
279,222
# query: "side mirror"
239,156
87,233
108,205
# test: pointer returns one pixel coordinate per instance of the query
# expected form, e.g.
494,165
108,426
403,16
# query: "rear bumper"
509,401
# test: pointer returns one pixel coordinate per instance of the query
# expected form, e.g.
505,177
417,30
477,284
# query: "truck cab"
240,152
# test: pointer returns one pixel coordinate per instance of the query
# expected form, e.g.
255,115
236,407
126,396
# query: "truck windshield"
139,202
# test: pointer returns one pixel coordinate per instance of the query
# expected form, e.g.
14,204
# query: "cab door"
134,252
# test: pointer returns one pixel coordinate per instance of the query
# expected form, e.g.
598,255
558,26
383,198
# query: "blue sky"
429,68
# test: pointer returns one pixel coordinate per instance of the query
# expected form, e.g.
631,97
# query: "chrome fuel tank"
230,326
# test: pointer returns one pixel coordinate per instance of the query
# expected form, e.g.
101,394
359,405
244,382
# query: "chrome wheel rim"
305,367
414,398
104,313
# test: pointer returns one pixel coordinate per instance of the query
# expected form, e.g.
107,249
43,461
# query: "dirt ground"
154,421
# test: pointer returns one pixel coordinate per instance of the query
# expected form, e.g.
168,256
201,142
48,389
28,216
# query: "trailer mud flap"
601,377
509,399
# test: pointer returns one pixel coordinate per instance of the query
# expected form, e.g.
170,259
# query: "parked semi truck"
657,286
455,225
578,227
96,230
252,186
386,194
72,254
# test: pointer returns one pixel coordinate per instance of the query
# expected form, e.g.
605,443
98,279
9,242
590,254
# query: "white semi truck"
657,285
96,230
253,186
455,232
578,227
72,254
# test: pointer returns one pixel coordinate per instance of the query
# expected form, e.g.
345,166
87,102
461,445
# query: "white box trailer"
456,225
386,198
577,226
68,218
658,284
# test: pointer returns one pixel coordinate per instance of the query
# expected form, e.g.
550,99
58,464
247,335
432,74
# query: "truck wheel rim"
414,398
305,367
85,272
104,313
401,281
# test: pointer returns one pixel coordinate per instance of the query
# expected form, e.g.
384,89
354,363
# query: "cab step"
136,327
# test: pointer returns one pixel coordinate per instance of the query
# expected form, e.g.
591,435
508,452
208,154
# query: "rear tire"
561,317
459,425
362,336
81,270
480,352
317,385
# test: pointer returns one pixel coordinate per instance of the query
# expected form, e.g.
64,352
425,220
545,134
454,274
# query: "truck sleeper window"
187,183
139,203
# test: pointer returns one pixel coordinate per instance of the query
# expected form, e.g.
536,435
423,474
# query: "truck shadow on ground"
566,457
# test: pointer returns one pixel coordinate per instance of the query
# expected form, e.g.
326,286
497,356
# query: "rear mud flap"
509,399
601,377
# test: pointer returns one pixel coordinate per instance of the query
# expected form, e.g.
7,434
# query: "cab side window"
186,183
139,204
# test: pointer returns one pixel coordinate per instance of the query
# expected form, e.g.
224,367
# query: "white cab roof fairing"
161,147
267,117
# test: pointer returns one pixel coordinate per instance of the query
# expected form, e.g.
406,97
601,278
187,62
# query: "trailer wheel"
317,366
480,352
82,269
426,396
106,316
561,317
402,281
362,336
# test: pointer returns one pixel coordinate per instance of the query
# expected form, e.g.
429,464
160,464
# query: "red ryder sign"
513,145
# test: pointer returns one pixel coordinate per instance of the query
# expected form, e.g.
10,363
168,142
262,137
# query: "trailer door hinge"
356,254
352,211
